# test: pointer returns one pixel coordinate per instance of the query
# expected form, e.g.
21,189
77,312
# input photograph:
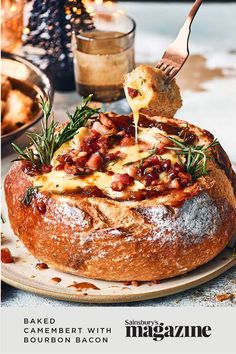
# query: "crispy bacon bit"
166,165
123,178
106,121
46,168
95,161
64,158
117,186
60,167
112,156
133,92
30,169
6,256
127,141
133,171
82,154
41,206
70,169
190,139
151,175
41,266
174,184
100,128
169,129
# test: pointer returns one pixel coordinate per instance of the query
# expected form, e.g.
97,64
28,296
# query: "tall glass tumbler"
102,56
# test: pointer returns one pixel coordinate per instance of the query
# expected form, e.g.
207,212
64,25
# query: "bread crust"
152,239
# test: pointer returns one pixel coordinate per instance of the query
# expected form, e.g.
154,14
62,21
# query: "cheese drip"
142,100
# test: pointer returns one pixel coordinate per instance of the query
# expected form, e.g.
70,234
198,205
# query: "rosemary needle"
196,156
45,143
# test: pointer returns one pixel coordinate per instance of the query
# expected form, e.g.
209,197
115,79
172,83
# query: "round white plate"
24,275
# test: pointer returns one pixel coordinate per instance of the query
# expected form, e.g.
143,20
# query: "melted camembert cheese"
59,181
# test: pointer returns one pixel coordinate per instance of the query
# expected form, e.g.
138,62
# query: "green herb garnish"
45,143
141,161
29,194
196,156
3,219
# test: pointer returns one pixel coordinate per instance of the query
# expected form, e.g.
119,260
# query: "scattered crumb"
133,283
224,297
32,276
154,282
56,280
6,256
41,266
83,286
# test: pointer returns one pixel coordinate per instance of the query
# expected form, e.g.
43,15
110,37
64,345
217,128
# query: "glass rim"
104,39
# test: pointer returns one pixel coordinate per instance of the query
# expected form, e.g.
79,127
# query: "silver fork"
178,51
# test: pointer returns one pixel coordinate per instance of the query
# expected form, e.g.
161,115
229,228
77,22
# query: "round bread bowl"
152,239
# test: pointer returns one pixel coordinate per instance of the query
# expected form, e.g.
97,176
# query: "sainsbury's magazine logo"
158,330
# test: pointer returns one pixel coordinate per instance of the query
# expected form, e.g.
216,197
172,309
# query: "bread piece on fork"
155,96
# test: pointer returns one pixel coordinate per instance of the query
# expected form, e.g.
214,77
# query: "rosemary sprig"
196,156
141,161
29,194
45,143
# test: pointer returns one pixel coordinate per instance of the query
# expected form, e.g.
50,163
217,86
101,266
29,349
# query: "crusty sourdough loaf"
157,237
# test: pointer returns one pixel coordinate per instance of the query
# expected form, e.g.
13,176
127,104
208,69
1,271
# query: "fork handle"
184,33
192,13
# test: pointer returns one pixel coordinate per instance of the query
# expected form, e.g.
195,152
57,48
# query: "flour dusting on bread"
197,218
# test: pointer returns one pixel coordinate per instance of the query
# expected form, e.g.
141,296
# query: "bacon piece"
165,165
70,169
95,161
174,184
64,158
133,92
185,175
133,171
6,256
123,178
106,121
46,168
117,186
60,167
100,128
127,141
30,169
164,141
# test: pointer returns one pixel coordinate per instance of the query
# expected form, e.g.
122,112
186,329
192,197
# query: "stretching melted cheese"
142,100
59,181
146,89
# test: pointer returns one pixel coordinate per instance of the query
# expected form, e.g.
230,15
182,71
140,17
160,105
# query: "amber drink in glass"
102,56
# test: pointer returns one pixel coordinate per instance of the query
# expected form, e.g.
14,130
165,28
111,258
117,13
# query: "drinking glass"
103,55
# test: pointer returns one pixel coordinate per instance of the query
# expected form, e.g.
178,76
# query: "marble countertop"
208,85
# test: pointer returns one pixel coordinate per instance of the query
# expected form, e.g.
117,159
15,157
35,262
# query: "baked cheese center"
59,181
